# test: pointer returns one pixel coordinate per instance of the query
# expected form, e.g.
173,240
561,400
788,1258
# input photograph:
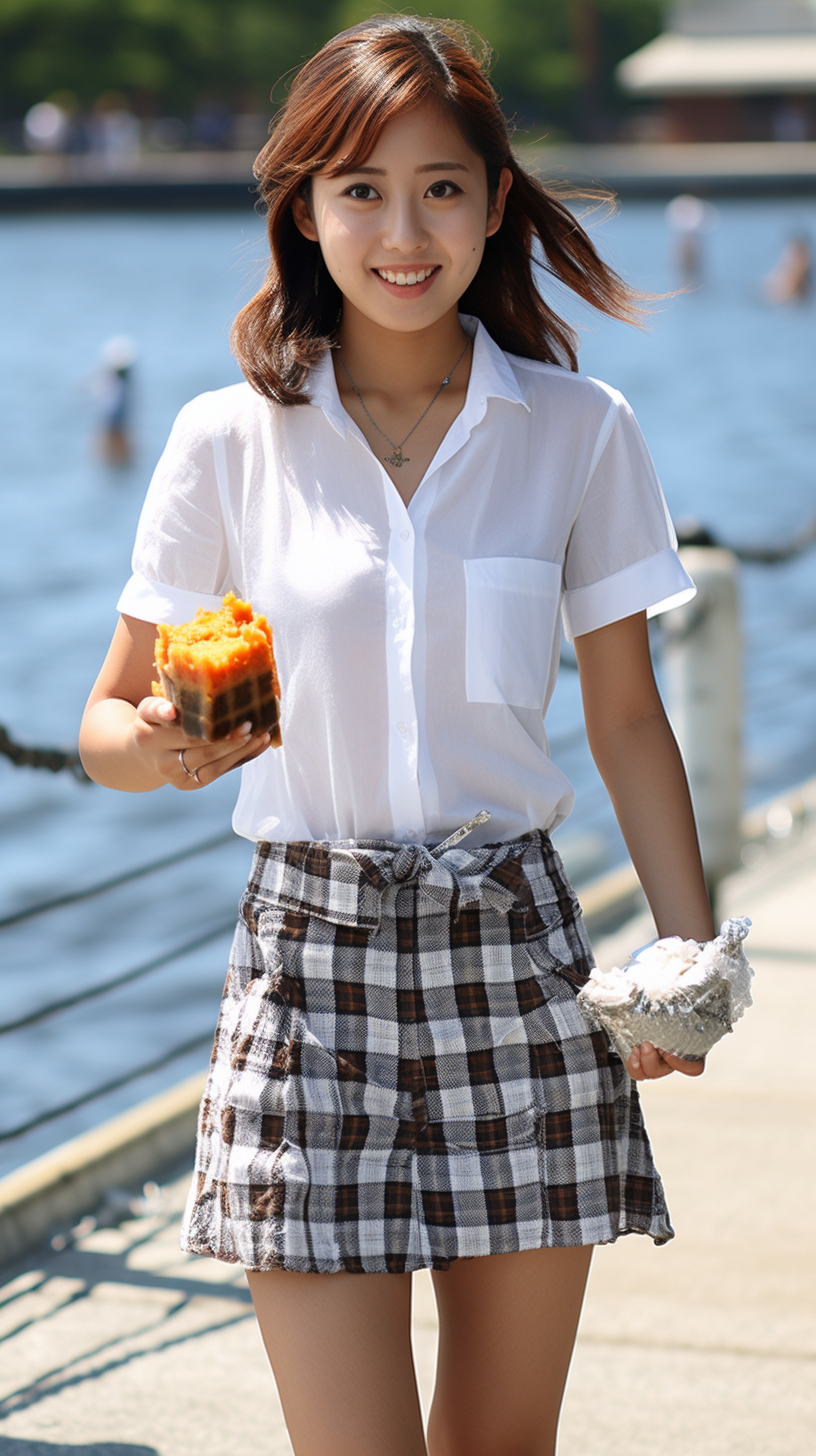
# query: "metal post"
702,661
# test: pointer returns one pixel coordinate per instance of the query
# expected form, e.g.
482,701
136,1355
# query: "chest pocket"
512,609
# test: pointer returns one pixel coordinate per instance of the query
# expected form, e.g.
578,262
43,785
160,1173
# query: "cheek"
343,246
466,239
470,251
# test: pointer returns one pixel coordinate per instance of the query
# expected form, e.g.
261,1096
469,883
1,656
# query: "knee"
452,1436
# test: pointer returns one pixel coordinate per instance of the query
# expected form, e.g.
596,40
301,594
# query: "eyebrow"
426,167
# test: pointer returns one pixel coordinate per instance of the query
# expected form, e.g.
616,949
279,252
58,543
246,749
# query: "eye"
439,190
360,192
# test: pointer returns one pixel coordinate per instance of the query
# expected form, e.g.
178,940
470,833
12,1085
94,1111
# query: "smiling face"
402,235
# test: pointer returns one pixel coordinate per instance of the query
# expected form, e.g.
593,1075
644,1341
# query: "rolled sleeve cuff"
153,601
655,585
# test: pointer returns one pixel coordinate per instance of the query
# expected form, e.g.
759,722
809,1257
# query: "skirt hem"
660,1236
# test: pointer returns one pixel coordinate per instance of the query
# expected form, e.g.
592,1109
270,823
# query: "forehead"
422,136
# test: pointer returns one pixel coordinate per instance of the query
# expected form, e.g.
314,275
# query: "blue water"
723,386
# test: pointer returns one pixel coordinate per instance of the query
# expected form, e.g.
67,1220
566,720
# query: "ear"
304,222
496,210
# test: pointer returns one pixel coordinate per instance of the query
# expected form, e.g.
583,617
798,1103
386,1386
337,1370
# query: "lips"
406,278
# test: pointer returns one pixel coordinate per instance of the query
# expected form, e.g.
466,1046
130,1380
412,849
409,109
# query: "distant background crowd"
114,77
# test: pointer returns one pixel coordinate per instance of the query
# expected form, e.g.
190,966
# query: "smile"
407,279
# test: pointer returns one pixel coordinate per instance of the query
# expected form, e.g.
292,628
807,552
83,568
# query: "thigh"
340,1350
507,1327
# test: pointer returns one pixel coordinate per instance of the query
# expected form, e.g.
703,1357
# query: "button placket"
403,782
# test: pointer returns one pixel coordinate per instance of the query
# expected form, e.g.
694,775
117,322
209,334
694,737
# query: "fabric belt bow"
346,883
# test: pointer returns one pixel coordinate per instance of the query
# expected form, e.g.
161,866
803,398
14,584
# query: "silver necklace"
398,458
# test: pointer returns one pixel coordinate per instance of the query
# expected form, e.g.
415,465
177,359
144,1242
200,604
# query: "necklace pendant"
397,458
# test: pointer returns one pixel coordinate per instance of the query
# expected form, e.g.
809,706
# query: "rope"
692,533
771,555
156,1065
91,992
54,759
75,896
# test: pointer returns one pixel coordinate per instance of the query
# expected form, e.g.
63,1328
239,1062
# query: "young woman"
411,484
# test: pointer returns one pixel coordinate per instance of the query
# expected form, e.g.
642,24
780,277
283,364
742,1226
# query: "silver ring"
191,774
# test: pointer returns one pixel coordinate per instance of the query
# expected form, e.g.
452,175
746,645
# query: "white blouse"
417,647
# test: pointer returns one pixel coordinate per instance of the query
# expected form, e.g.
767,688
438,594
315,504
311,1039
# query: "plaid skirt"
401,1075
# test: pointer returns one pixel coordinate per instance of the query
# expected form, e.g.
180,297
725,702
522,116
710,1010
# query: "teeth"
405,279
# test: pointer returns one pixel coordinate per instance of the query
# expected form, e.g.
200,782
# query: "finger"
199,753
204,763
254,750
646,1063
191,763
157,711
272,739
680,1064
633,1066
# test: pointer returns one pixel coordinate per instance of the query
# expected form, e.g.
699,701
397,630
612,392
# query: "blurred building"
730,70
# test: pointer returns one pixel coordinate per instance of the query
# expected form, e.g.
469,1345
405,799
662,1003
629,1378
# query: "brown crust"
251,700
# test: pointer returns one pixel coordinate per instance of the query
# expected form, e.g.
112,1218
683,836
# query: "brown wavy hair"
337,107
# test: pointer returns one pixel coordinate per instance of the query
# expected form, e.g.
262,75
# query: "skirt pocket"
494,1134
573,1064
281,1076
478,1088
560,945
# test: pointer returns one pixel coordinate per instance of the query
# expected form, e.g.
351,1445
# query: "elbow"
88,755
627,736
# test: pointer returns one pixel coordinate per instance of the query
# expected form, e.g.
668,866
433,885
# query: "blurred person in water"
690,219
112,386
791,278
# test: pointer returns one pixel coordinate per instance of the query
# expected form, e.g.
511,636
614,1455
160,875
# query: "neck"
399,362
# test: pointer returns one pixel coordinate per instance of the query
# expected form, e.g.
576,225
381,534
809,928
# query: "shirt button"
402,727
405,535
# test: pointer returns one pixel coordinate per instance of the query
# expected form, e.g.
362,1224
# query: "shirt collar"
491,374
491,377
323,392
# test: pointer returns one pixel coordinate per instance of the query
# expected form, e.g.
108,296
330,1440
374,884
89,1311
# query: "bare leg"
507,1326
340,1349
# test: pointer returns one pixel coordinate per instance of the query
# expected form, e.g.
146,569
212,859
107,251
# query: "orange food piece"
219,670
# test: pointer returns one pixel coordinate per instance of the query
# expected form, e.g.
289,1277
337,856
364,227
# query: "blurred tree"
554,58
163,54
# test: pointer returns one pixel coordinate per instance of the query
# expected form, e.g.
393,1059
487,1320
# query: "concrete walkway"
224,179
121,1346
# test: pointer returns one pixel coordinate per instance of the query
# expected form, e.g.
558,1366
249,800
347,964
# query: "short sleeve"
181,558
622,552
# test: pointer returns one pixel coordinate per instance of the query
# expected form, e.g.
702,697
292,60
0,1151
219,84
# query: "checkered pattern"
401,1076
250,701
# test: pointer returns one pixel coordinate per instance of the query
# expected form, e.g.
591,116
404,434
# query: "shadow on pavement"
61,1377
79,1271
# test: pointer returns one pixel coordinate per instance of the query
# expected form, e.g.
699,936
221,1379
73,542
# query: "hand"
160,740
647,1062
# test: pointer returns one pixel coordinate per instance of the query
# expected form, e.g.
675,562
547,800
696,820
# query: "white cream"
678,994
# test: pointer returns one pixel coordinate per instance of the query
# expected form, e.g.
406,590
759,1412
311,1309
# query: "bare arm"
638,759
130,740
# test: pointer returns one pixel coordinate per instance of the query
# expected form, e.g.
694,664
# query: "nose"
403,231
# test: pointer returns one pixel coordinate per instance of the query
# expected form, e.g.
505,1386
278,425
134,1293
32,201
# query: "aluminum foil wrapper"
680,995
